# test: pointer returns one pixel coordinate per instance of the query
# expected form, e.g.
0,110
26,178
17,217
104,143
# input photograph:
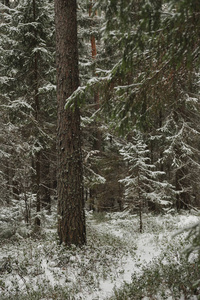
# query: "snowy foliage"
144,181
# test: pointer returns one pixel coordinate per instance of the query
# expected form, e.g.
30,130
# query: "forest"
100,149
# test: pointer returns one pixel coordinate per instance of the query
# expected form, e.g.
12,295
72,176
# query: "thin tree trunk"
37,109
141,223
7,177
97,133
45,181
71,220
93,41
38,204
140,200
161,150
96,93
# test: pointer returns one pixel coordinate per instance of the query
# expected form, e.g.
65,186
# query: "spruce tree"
154,78
144,187
29,94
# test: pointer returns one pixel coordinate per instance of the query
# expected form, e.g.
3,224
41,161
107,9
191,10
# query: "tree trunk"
38,203
93,42
71,219
37,109
140,213
97,141
139,196
45,187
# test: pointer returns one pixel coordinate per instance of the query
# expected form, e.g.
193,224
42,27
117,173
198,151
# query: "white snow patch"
48,274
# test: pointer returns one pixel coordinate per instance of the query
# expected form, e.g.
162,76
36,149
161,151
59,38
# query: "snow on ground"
114,252
149,246
147,249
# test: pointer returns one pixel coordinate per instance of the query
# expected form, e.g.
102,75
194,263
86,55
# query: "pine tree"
71,222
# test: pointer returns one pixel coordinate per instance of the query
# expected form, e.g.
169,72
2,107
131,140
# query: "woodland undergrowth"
37,267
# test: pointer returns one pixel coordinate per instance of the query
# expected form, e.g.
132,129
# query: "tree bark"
71,217
92,38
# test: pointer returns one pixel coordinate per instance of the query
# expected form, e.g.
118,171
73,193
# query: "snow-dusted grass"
115,254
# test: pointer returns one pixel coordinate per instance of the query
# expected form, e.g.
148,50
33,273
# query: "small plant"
143,185
100,217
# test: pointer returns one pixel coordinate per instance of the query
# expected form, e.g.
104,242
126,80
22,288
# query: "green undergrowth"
36,267
170,276
71,270
100,217
44,292
162,282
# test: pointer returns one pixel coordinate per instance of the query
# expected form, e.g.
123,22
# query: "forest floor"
118,261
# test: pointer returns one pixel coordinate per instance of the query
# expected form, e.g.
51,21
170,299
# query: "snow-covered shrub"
193,251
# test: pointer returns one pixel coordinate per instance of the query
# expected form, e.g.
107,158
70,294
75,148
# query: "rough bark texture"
71,219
